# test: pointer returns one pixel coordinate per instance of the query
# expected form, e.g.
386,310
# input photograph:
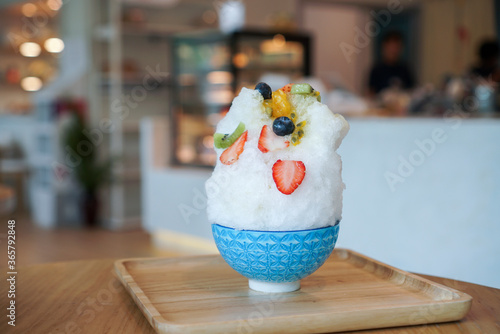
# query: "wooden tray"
349,292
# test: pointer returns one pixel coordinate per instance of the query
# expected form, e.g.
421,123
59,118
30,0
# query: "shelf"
5,86
44,56
15,113
131,127
129,174
196,71
137,81
105,33
200,105
270,68
150,30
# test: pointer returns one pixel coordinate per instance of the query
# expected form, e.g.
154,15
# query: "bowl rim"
337,223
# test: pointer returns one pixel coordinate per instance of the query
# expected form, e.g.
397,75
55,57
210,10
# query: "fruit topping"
281,105
268,107
231,154
265,90
283,126
298,133
225,140
268,141
301,124
287,88
301,89
288,175
318,97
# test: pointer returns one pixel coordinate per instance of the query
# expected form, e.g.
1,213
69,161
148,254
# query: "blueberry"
283,126
265,90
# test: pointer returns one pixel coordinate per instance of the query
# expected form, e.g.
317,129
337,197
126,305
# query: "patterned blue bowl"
275,261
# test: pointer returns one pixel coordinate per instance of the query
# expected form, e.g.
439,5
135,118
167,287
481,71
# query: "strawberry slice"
287,88
232,153
288,175
269,141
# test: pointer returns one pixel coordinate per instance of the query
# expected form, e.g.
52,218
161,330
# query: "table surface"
86,297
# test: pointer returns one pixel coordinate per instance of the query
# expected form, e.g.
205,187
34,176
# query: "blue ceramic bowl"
275,261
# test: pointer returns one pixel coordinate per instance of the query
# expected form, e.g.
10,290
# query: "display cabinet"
210,69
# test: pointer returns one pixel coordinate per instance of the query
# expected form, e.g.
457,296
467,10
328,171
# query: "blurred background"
107,110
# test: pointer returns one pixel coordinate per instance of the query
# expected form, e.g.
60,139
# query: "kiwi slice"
301,89
222,140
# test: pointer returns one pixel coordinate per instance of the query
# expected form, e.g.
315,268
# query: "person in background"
391,71
489,51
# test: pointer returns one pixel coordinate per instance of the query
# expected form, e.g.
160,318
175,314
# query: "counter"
422,194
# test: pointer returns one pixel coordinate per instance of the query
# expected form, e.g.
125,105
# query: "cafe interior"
108,110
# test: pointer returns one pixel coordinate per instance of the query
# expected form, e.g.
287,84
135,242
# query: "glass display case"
210,69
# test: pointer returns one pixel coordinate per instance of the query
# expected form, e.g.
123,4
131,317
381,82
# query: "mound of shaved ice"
244,195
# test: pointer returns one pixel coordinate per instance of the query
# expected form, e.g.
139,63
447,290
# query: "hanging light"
55,5
54,45
29,9
30,49
31,84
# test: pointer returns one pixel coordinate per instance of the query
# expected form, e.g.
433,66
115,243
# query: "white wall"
170,196
333,26
260,13
18,129
443,220
442,52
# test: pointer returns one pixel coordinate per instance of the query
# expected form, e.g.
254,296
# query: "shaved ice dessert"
277,166
275,195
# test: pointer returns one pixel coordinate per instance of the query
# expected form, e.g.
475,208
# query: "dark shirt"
383,75
483,71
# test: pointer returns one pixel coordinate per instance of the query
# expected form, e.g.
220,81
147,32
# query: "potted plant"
90,172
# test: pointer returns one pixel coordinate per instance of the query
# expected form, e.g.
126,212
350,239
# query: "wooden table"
86,297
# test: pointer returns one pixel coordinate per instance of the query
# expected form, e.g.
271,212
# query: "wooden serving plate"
203,294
